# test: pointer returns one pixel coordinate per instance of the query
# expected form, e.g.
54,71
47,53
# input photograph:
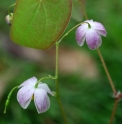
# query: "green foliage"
39,24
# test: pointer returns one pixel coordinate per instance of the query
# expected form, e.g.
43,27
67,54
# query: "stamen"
32,97
89,26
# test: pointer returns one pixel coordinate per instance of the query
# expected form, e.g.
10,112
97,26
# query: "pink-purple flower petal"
81,41
99,41
100,28
31,81
80,34
41,100
92,39
24,96
45,87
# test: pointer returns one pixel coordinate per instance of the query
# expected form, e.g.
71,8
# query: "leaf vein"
31,21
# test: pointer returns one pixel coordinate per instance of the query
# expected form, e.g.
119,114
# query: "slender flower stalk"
8,98
114,111
49,77
10,7
57,85
83,10
100,55
107,73
70,31
106,70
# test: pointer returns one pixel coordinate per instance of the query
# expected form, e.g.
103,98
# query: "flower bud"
9,18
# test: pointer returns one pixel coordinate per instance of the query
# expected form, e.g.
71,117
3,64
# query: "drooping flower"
28,91
91,32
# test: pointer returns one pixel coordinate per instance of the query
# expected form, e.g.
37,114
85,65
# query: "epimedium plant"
40,24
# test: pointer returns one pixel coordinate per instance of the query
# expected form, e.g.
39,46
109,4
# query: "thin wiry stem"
106,70
114,111
100,55
8,98
57,85
10,7
70,31
83,10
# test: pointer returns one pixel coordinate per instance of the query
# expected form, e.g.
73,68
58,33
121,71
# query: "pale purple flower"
28,91
91,32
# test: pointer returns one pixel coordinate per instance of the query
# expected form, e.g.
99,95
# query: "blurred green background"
84,88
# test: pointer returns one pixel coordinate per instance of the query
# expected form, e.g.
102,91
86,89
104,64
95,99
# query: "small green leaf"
39,23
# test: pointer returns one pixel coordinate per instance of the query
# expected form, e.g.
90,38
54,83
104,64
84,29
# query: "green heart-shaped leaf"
39,23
